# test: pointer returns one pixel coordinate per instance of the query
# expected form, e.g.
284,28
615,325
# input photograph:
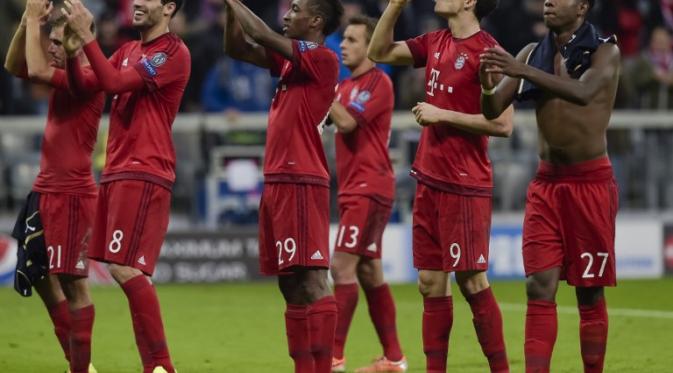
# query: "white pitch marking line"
621,312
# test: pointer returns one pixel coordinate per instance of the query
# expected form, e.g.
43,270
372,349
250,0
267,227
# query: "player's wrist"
488,91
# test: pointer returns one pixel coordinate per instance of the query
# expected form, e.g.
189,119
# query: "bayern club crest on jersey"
460,61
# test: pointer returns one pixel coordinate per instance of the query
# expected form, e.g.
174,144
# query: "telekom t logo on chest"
433,84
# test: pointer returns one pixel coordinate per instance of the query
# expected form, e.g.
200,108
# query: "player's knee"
540,289
121,274
368,275
342,273
589,296
76,291
430,284
472,282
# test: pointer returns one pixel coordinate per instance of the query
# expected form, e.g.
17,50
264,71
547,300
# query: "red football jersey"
306,89
363,164
69,140
447,157
140,138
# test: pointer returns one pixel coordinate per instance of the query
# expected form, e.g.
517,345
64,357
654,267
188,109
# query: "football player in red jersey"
147,78
294,211
63,196
362,114
452,208
571,205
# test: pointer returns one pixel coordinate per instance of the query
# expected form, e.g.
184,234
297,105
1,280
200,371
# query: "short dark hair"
484,7
591,3
178,5
330,11
368,22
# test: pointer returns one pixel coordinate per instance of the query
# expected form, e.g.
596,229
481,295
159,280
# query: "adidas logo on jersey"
317,255
80,265
372,247
481,259
142,260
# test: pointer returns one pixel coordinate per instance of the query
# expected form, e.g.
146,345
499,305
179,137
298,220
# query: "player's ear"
169,9
317,22
469,4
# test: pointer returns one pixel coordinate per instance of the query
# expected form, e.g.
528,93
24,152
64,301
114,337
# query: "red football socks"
80,339
593,335
541,330
298,338
347,298
487,321
146,315
60,317
437,322
382,313
322,315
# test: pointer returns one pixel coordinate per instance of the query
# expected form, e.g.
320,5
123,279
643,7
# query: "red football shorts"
131,223
570,222
451,232
68,223
362,220
293,227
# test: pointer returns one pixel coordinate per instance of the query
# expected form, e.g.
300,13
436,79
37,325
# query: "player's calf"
593,327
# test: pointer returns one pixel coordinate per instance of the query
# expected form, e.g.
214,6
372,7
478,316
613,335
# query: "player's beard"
150,19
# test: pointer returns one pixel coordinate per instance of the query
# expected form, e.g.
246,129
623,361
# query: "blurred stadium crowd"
219,84
227,88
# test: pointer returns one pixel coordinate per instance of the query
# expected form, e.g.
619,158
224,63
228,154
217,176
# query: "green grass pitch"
240,328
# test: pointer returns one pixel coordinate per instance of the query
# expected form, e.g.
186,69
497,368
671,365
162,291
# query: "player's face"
147,13
55,49
354,45
296,22
448,8
560,13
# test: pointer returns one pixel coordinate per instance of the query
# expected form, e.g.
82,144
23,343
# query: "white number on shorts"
587,271
50,251
353,234
116,244
454,251
289,246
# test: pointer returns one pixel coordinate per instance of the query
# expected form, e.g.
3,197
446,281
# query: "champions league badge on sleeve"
360,100
305,46
158,59
155,61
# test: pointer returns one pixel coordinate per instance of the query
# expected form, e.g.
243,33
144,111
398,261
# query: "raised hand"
71,42
38,10
497,60
79,19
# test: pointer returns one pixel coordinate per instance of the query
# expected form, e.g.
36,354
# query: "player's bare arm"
343,121
111,80
39,69
427,115
605,64
237,45
383,48
497,96
259,31
15,60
